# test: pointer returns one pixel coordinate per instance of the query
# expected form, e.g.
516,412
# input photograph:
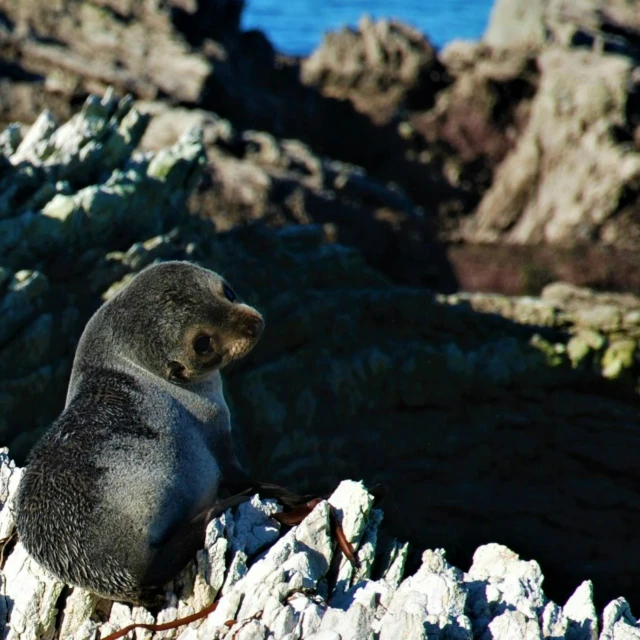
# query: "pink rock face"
568,179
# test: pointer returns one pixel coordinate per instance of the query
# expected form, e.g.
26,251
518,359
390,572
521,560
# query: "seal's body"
116,496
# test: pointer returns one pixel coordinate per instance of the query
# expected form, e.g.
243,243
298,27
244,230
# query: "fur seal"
117,494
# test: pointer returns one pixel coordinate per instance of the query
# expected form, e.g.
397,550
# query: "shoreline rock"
613,27
295,586
501,400
513,411
478,136
382,65
569,179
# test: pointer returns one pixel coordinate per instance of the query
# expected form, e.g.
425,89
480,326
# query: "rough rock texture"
79,47
252,175
489,418
294,586
534,133
475,122
457,113
512,411
346,102
483,111
506,434
379,67
508,416
530,136
569,179
393,76
610,26
164,52
186,52
574,175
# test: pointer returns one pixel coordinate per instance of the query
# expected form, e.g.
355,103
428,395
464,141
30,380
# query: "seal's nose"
253,325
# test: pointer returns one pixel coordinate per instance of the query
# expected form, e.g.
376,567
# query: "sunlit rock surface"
295,585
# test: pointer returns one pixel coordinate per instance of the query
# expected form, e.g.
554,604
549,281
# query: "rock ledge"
296,586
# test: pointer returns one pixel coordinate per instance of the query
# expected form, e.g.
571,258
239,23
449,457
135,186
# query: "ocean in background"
296,26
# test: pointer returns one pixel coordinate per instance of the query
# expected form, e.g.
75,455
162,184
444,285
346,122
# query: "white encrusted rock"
250,527
350,624
515,582
367,551
291,589
436,594
553,622
211,566
618,622
9,479
396,561
514,624
79,606
581,613
346,612
352,504
31,594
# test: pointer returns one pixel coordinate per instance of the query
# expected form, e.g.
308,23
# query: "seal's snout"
253,325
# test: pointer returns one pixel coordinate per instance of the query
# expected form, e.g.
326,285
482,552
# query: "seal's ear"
176,372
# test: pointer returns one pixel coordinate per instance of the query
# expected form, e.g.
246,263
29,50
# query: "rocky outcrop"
252,175
472,409
529,136
188,53
573,177
145,49
522,143
474,124
164,52
482,113
295,586
612,26
533,136
569,179
457,114
489,418
462,406
379,67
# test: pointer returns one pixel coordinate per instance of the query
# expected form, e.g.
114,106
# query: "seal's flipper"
170,556
284,496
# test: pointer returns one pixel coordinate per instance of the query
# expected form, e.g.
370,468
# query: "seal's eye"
229,293
202,345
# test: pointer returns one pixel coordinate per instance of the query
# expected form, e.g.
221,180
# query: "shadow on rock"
488,418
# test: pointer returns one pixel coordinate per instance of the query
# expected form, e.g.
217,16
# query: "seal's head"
177,320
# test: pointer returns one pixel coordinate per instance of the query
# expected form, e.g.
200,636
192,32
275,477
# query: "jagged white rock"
618,623
295,587
515,582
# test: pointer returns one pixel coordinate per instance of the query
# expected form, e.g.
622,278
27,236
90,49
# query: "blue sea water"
296,26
